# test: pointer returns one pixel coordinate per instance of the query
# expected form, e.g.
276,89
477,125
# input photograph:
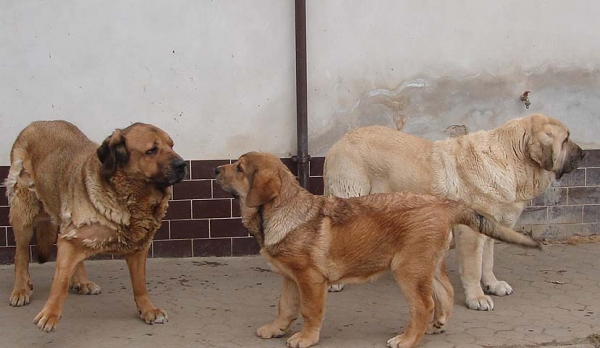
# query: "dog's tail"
490,227
45,235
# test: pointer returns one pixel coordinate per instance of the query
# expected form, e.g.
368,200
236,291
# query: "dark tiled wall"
570,207
203,220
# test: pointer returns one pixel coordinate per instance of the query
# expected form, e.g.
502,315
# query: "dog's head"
143,152
550,146
254,178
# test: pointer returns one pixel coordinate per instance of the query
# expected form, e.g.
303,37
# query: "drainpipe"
303,158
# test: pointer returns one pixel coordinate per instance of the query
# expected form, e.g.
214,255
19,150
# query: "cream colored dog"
495,172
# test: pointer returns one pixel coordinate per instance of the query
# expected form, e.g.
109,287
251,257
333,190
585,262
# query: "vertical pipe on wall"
302,159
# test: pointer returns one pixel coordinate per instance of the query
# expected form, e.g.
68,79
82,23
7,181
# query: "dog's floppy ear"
541,151
264,186
112,152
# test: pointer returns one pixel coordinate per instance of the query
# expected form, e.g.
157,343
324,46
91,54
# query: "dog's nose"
217,170
582,154
179,165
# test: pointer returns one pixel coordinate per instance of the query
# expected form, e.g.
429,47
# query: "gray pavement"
219,302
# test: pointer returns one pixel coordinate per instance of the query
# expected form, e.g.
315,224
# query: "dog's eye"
152,151
239,168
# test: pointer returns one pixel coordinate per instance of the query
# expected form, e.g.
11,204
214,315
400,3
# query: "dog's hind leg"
24,208
81,284
416,285
443,297
289,308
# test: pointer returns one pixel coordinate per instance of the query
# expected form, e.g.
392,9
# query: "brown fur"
495,172
314,241
97,199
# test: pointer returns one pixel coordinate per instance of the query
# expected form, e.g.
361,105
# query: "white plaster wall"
438,63
219,75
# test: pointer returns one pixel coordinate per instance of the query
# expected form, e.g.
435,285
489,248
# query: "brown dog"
97,199
314,241
496,172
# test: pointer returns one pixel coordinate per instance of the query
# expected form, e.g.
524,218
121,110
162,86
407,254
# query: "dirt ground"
219,302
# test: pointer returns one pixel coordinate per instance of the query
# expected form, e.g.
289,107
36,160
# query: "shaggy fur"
496,172
313,241
97,199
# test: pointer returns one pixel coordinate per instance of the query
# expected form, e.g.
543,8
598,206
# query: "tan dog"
98,199
313,241
496,172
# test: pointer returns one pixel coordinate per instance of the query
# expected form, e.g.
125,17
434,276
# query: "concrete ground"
219,302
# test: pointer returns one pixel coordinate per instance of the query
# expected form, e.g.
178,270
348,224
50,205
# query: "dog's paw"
20,297
436,327
335,288
90,288
270,330
46,320
302,340
498,288
400,341
480,303
154,316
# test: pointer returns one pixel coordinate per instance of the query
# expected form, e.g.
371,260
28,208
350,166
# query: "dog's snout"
582,154
217,170
179,165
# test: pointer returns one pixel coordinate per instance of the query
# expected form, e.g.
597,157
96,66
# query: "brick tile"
292,166
3,173
4,216
3,198
592,177
552,196
575,178
206,169
216,208
227,228
591,213
163,231
584,195
533,216
179,210
212,247
565,214
236,211
591,159
316,166
244,246
182,229
197,189
7,255
172,248
316,185
218,192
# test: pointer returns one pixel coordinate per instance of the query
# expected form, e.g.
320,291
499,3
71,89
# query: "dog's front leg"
67,257
137,270
312,307
490,283
289,307
469,249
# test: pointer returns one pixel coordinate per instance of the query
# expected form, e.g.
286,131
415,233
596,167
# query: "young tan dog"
314,241
98,199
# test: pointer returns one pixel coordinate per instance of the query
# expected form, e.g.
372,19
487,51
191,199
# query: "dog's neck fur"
512,186
130,201
271,222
